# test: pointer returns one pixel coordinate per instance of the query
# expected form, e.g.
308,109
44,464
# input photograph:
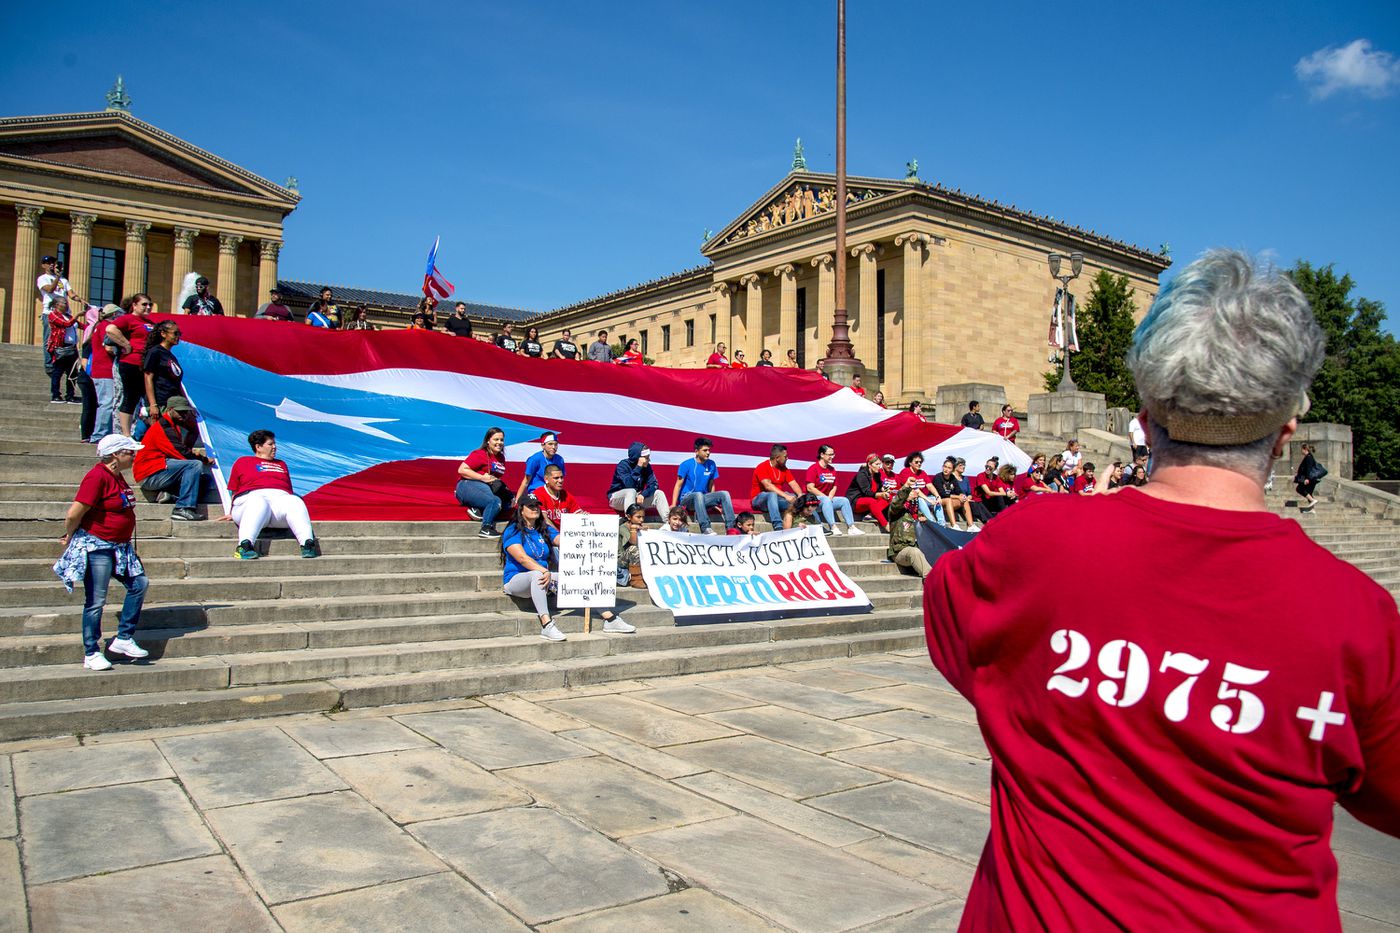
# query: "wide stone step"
152,710
427,548
282,566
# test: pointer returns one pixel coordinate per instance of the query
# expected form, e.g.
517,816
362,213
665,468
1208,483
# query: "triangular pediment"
124,148
799,199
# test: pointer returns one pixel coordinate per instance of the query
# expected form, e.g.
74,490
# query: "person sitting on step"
635,481
821,482
743,524
261,486
555,500
172,461
481,487
678,519
904,533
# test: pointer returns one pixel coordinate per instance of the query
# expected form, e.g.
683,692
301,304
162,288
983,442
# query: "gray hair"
1223,359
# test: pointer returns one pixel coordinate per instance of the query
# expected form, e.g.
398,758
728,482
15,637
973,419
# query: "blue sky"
564,150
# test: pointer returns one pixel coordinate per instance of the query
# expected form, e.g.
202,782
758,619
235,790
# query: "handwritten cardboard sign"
587,561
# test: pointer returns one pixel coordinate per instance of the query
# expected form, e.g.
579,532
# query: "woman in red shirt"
923,495
879,399
482,487
261,486
821,482
632,355
738,361
97,546
129,333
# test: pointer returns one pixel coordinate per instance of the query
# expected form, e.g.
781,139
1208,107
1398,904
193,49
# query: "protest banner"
703,578
587,562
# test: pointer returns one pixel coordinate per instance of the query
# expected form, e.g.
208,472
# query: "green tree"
1359,383
1105,324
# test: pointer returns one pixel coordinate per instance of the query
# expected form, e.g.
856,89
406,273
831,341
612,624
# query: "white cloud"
1352,67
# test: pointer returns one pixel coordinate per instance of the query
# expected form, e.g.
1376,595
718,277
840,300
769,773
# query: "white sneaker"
97,662
853,530
127,647
974,527
551,632
711,530
835,532
618,627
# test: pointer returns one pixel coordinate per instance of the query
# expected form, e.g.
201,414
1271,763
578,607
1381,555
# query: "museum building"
943,287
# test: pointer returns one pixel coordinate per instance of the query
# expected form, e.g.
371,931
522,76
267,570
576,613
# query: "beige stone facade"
129,208
941,287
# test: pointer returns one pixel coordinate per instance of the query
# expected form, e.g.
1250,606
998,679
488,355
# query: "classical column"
863,333
724,313
183,262
907,342
753,310
80,254
826,305
228,272
20,327
787,309
134,273
267,269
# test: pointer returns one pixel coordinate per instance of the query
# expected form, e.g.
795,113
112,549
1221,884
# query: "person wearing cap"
634,481
774,488
97,546
99,362
273,309
527,554
535,464
419,321
1178,766
695,488
171,460
202,302
129,332
51,284
261,487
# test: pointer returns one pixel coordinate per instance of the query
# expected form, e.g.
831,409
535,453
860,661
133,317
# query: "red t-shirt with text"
134,329
552,508
483,462
111,515
251,473
824,478
1168,740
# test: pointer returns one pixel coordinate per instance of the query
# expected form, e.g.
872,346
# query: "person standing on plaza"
765,358
695,488
324,312
99,363
916,408
600,351
792,360
97,546
129,332
635,481
1008,426
774,488
856,386
1177,766
631,355
531,345
273,309
458,324
564,347
973,419
481,481
547,456
202,302
1137,437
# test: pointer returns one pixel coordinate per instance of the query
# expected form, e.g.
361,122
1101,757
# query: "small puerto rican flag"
433,282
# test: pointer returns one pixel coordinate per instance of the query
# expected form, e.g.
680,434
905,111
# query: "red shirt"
1196,792
920,476
134,329
888,482
483,462
552,508
717,359
992,482
858,390
824,478
631,357
1022,486
766,470
251,473
738,364
111,515
1008,427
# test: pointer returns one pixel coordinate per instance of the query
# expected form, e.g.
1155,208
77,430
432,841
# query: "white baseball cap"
115,442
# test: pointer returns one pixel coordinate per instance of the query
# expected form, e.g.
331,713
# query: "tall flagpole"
840,363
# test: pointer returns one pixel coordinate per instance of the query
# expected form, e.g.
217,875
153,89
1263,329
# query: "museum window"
644,343
801,330
104,274
665,338
879,325
690,333
713,332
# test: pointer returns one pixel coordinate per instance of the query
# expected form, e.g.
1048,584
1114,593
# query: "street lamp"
1076,263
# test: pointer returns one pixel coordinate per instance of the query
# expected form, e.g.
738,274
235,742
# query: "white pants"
260,508
623,498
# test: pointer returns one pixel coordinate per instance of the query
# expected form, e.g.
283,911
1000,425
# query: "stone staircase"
394,612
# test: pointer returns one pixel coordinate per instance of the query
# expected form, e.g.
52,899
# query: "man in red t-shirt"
856,387
718,359
555,500
1176,766
774,487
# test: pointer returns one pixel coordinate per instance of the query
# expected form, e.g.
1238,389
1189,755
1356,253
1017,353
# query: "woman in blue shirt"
527,552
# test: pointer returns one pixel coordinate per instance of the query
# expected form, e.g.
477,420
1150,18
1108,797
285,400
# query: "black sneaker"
55,401
186,515
311,548
488,533
246,551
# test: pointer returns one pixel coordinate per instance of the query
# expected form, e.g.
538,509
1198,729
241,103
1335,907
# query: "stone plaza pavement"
845,794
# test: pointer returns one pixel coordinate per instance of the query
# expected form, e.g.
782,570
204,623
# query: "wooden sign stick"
587,621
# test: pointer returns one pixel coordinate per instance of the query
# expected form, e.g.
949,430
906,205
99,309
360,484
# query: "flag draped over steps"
374,424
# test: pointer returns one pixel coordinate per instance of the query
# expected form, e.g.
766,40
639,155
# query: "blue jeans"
830,505
700,502
186,478
95,582
476,494
933,511
106,405
774,504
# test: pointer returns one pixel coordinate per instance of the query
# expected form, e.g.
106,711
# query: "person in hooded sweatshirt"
635,481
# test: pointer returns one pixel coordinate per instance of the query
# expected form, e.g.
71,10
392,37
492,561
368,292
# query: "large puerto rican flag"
374,424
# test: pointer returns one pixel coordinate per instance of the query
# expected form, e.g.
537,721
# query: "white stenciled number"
1251,712
1179,700
1123,660
1068,640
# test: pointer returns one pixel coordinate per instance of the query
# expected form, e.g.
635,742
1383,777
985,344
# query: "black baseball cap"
201,281
46,260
